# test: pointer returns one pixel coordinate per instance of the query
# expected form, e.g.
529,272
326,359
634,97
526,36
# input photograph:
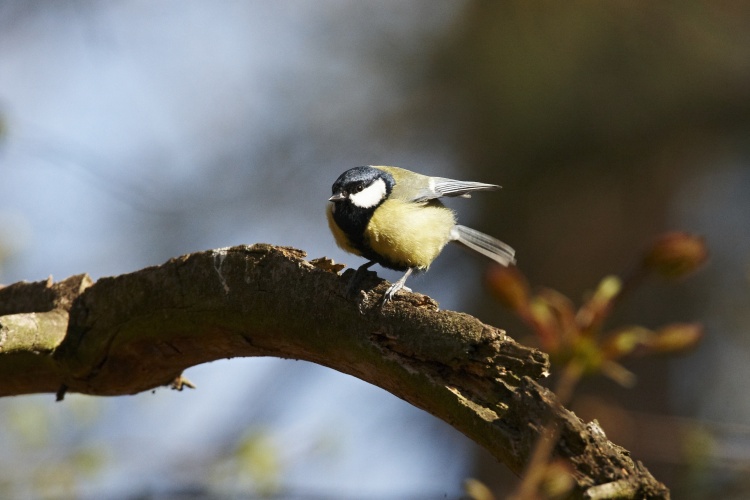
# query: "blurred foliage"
576,338
254,467
477,490
698,447
579,345
49,471
675,255
3,130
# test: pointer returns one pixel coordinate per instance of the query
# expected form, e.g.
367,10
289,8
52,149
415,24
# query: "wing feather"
452,188
411,186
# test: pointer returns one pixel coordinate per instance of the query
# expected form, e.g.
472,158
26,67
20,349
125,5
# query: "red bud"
676,254
509,286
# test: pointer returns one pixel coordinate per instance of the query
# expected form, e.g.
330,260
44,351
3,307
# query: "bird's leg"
357,278
395,287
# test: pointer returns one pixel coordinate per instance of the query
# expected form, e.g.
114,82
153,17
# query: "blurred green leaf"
595,310
257,456
625,341
677,337
618,373
477,490
558,480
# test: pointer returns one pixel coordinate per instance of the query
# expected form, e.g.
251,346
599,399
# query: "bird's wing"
411,186
438,187
453,188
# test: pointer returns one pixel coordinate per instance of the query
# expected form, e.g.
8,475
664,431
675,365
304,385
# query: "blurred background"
133,131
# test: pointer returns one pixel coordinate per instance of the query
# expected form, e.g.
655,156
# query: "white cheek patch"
369,196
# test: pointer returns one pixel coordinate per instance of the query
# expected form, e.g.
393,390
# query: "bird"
394,217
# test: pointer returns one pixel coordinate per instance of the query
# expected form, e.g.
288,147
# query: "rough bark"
134,332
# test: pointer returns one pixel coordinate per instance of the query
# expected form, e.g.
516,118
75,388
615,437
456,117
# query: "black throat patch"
353,220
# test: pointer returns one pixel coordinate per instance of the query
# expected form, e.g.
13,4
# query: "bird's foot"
396,287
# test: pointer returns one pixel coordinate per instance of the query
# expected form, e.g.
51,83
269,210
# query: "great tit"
393,217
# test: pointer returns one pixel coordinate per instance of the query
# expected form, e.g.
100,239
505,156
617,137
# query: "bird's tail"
485,244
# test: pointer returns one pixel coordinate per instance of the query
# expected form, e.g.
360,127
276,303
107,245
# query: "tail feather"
485,244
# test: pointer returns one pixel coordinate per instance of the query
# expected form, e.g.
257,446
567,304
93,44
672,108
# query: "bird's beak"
337,197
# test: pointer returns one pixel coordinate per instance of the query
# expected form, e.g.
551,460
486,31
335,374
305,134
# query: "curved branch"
137,331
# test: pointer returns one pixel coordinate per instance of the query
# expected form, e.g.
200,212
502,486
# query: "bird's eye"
358,187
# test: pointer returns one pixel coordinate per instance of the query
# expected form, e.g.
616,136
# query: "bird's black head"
363,187
356,194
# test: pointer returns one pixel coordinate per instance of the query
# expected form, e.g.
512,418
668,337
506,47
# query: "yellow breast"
410,234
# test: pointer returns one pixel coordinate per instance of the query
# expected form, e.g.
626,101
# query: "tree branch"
134,332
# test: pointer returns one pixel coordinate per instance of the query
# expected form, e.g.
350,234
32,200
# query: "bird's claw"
392,290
